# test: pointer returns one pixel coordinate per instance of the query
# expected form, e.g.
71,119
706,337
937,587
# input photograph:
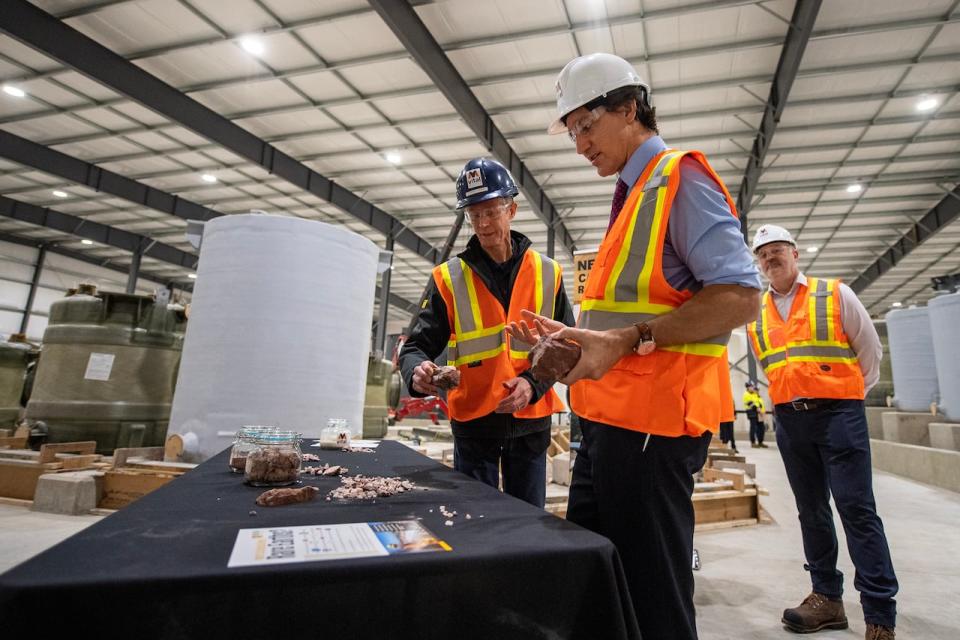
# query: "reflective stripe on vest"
472,341
626,295
548,274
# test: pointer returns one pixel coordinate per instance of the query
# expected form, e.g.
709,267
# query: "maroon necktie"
619,197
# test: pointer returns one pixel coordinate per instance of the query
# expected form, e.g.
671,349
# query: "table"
158,568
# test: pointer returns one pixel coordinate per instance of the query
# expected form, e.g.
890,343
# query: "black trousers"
758,428
827,451
523,460
637,494
726,434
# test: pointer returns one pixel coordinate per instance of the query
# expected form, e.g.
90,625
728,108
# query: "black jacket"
430,335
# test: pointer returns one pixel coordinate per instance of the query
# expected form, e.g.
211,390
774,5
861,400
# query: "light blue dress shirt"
704,245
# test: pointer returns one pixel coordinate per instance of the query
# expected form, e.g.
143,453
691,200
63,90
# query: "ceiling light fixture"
85,241
897,304
60,194
854,188
811,249
209,178
927,104
11,90
192,276
393,157
252,45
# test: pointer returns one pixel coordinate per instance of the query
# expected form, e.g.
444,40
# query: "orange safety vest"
679,390
478,344
809,355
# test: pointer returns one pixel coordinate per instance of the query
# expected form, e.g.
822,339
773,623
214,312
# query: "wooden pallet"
134,473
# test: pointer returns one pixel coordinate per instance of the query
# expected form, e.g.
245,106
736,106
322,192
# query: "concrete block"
945,435
875,421
932,466
561,468
908,428
71,493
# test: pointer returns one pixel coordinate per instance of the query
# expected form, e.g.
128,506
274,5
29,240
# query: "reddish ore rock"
551,359
446,377
277,497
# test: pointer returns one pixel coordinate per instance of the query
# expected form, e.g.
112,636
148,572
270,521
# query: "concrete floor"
749,574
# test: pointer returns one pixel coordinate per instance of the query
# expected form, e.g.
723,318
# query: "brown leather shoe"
815,613
878,632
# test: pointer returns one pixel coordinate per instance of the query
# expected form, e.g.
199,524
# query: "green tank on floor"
108,369
382,394
15,356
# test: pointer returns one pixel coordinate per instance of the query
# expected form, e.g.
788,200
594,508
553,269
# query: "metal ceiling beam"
37,156
941,215
120,239
99,233
82,257
798,34
410,30
39,30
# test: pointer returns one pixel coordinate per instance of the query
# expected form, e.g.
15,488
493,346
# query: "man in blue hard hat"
499,413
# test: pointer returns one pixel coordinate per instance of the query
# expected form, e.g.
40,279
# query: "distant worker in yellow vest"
499,413
753,405
821,353
672,278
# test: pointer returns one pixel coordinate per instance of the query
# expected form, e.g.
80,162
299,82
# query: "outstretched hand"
532,326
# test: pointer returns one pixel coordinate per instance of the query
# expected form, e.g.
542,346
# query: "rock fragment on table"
277,497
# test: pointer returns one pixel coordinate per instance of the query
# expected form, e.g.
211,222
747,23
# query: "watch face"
646,348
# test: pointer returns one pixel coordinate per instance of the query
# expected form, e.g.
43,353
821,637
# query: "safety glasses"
486,211
582,126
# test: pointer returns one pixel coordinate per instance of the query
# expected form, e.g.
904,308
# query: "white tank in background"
915,383
944,323
279,331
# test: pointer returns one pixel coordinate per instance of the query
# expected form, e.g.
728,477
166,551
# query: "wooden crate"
135,472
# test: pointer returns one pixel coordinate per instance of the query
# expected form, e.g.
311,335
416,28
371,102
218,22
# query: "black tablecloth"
158,568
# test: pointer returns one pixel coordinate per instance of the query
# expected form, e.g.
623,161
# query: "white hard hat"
771,233
589,77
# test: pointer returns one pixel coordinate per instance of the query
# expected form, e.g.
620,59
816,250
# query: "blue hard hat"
484,179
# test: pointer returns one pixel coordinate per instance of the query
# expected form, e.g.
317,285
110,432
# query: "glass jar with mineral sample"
275,460
336,435
243,444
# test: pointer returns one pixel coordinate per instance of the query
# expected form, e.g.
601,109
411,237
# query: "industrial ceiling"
838,119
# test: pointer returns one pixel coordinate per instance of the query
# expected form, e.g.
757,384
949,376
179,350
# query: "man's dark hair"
646,115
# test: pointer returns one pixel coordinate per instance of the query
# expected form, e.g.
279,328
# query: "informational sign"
284,545
99,366
582,263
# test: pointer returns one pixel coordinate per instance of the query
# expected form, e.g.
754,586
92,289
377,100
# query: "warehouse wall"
59,274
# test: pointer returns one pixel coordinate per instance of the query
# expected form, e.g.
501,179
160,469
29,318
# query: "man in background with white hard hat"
500,414
672,278
821,353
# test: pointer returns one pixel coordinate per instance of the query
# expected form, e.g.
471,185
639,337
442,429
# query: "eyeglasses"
478,214
582,126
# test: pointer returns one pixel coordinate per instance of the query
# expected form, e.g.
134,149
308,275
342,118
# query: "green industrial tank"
877,397
15,356
382,394
108,369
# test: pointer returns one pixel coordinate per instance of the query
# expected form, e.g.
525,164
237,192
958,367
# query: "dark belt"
807,404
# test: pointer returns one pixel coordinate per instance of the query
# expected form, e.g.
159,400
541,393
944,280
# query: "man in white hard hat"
672,278
821,353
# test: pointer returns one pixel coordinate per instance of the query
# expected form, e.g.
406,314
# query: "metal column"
380,343
37,270
134,272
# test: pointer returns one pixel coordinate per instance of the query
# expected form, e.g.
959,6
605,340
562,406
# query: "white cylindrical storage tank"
944,320
279,331
915,384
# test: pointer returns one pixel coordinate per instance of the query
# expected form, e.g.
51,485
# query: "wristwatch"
645,344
